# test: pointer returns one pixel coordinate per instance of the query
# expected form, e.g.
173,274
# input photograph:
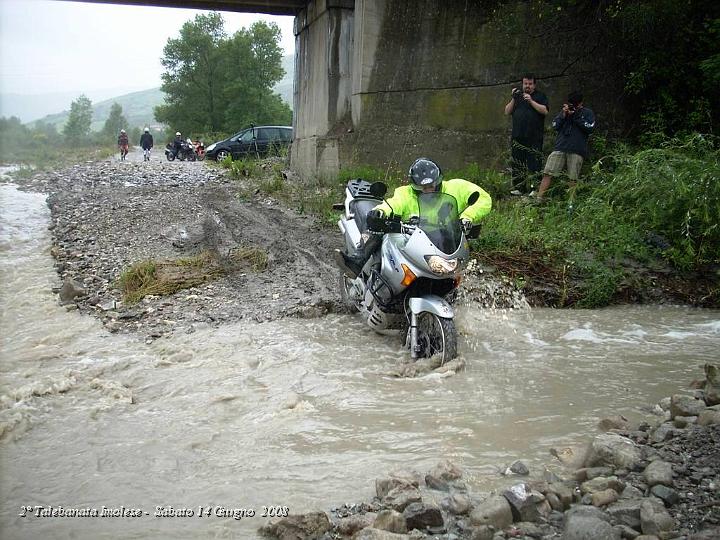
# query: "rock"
377,534
708,417
390,520
564,491
613,422
631,492
682,422
484,532
423,516
494,511
602,483
663,433
396,479
579,527
668,495
522,503
603,498
573,457
456,504
298,527
554,502
70,290
518,467
681,405
626,512
659,472
711,533
626,532
352,524
711,389
523,528
654,518
446,470
400,497
614,451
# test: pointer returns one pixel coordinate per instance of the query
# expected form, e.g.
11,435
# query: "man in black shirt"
528,108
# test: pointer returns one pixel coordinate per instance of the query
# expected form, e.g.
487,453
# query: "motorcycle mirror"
472,199
378,189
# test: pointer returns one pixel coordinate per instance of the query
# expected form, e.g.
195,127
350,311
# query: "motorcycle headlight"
438,265
211,147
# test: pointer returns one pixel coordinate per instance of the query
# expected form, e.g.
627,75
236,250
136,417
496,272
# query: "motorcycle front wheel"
170,156
345,287
436,335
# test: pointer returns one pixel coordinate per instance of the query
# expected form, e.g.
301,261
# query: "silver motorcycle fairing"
432,304
398,248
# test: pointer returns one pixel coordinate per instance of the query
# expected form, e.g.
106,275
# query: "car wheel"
222,154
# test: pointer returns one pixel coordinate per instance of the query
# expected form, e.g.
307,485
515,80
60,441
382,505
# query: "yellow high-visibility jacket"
404,202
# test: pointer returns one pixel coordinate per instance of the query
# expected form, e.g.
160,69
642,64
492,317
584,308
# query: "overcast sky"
58,46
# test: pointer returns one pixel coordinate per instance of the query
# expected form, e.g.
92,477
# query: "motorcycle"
186,151
199,150
407,283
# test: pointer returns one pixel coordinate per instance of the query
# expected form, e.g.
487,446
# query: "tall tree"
218,84
77,127
255,66
114,123
194,76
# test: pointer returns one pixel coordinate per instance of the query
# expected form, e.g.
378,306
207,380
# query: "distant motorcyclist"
424,177
146,142
177,143
123,144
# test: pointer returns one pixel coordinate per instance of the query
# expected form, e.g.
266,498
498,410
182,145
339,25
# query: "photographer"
574,124
528,108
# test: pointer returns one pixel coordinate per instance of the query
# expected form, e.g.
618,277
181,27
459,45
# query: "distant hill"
138,106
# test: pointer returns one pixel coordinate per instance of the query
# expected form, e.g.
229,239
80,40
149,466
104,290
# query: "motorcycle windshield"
440,220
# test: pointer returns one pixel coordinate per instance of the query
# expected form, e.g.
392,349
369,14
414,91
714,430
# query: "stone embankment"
647,482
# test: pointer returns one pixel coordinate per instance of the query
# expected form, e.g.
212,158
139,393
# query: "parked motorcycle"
185,152
405,285
199,150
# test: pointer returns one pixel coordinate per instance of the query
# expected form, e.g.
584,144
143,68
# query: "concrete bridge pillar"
323,79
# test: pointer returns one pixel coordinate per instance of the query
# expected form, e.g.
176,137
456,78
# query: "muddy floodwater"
303,414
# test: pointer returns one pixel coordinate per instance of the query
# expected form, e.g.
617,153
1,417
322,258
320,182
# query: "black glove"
376,221
466,224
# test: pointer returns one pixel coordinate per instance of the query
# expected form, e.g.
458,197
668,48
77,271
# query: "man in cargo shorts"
574,124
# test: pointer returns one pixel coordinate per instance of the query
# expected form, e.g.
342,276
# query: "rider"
123,143
177,143
424,177
146,142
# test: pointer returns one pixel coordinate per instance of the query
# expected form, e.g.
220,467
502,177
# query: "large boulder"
494,511
613,450
659,472
391,521
681,405
586,525
422,516
654,518
523,503
712,385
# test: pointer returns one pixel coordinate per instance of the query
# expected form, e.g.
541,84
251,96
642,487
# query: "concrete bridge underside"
381,82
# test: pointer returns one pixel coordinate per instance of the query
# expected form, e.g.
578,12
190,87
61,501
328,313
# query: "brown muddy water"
296,413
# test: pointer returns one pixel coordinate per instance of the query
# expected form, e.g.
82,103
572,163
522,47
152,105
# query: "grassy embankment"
644,225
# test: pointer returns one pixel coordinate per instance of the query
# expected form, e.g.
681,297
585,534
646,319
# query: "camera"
517,93
571,107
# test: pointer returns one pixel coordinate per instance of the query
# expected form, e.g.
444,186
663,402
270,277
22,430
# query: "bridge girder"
270,7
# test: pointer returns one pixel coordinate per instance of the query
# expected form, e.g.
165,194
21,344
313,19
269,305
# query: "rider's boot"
352,266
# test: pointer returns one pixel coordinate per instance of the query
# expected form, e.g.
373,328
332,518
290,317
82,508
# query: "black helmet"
423,173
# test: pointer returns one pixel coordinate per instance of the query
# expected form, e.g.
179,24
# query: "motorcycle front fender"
432,304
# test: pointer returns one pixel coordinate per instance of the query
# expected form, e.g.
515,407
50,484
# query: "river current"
300,414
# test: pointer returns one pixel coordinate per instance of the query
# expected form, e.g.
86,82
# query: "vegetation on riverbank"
643,225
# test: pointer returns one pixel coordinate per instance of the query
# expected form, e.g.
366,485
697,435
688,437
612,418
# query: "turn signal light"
409,276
